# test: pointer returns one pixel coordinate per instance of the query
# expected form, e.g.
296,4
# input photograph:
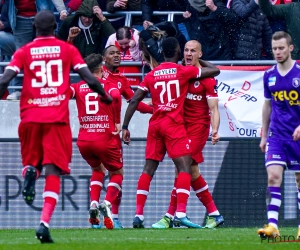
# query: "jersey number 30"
43,70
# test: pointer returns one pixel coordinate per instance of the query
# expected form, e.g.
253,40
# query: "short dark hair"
281,34
93,61
169,46
45,22
105,50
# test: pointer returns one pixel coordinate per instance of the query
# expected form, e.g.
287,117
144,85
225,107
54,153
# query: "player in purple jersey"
281,126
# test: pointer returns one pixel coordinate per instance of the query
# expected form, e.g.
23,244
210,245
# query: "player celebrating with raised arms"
44,131
280,126
168,85
99,141
200,110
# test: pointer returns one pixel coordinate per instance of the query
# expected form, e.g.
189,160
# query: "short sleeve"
192,72
267,92
144,85
17,62
77,61
210,87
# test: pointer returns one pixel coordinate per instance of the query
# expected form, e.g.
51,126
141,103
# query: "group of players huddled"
184,106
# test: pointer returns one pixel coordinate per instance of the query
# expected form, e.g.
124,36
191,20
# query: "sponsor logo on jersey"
196,84
45,50
165,72
119,85
193,97
283,95
271,81
84,86
296,82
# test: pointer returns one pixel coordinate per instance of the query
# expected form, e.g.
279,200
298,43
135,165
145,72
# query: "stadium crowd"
206,30
227,30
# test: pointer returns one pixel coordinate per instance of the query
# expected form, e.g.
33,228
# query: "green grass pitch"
146,239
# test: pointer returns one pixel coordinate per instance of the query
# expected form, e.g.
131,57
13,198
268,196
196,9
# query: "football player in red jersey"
44,131
168,85
200,110
99,141
112,59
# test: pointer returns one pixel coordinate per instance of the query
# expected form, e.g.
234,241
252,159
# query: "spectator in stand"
7,42
126,39
291,14
210,24
86,28
252,37
21,14
126,5
148,6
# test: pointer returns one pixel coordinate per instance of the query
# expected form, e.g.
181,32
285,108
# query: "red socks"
50,195
201,189
114,187
96,185
173,200
143,187
183,191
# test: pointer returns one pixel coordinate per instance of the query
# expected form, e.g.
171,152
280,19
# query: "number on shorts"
45,73
166,87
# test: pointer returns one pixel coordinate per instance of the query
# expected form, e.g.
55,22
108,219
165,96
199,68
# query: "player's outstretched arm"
208,69
137,98
266,114
7,76
94,84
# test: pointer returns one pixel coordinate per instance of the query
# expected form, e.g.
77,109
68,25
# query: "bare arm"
7,76
215,119
208,69
137,98
266,114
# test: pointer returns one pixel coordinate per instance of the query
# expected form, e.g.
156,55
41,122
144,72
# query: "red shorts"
198,134
166,136
46,143
109,153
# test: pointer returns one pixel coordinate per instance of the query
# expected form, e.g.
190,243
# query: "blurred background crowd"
226,29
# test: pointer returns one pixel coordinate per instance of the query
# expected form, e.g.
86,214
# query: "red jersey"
196,108
168,84
97,120
121,81
46,63
124,88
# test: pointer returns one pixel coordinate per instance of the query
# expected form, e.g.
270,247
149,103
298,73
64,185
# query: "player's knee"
51,169
274,178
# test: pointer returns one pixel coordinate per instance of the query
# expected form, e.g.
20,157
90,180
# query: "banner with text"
241,97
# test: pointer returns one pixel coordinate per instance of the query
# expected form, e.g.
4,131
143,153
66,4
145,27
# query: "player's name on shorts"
96,118
94,125
161,72
45,50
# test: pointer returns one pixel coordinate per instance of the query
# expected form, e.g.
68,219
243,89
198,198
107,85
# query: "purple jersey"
284,93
